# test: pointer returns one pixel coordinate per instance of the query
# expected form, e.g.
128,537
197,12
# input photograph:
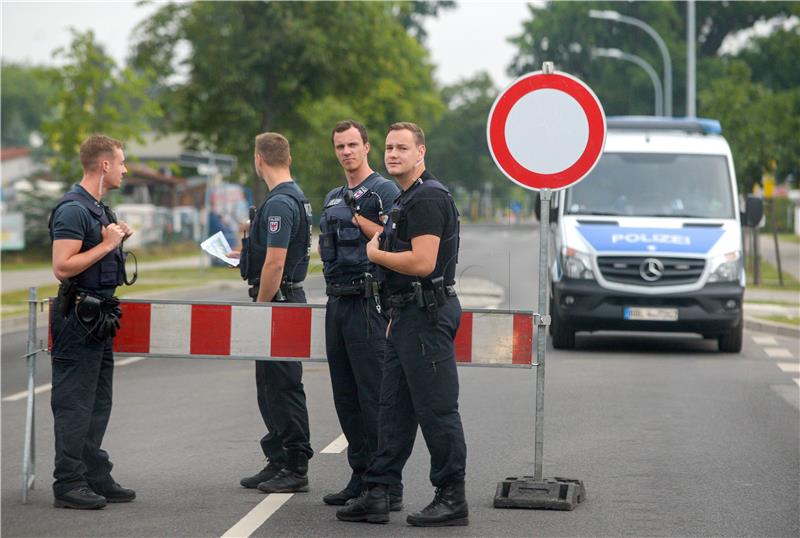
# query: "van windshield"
654,185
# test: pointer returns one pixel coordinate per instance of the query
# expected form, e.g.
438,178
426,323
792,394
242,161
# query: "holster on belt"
67,292
98,315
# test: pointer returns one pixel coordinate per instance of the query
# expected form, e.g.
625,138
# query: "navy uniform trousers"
282,402
83,370
355,344
420,387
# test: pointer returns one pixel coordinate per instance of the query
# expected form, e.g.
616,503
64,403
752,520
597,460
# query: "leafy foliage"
24,89
755,93
283,66
92,96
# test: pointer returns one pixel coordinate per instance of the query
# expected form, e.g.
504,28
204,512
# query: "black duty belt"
399,300
291,285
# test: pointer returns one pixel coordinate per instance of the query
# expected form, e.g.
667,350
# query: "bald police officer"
418,253
355,323
274,261
89,262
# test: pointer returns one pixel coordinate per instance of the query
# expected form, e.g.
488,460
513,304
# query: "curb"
773,327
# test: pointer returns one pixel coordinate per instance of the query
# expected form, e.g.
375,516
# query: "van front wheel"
732,342
563,337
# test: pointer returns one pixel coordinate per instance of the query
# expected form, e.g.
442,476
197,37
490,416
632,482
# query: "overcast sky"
470,38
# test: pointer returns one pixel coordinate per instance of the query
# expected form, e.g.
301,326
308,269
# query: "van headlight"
577,264
726,268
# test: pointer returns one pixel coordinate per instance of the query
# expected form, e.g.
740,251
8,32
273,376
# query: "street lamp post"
619,55
610,15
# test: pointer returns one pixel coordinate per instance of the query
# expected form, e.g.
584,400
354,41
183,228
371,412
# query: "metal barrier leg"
29,452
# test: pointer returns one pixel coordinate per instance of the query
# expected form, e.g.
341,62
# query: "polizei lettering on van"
668,239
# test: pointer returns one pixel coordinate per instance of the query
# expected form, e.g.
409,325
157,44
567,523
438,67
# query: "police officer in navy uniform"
89,262
418,254
274,261
355,323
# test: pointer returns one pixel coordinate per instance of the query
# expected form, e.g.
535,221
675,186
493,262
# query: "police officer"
418,254
89,262
274,261
355,323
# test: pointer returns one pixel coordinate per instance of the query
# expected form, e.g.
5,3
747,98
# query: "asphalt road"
670,437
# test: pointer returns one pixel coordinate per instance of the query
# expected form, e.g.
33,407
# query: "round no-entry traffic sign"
546,130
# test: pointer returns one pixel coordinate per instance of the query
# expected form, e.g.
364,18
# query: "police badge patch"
274,224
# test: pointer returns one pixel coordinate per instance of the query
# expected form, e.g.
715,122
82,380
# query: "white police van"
651,239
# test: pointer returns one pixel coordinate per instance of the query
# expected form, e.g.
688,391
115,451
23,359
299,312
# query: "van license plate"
650,314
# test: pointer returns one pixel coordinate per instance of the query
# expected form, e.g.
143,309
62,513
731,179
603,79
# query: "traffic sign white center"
550,119
546,130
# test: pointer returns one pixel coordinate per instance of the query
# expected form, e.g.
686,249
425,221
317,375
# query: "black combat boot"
396,497
113,492
263,475
449,507
372,506
352,490
291,479
80,498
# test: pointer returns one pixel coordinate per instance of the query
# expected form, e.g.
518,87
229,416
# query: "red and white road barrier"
260,331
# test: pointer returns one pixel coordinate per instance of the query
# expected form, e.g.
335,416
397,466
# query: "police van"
651,239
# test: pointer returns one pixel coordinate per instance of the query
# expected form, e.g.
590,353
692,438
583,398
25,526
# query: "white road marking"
797,380
47,386
258,515
126,361
765,340
24,394
778,352
791,367
789,393
337,446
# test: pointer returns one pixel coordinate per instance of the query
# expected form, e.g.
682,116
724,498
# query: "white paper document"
218,246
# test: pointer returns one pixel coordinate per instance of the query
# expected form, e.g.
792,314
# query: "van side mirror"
753,211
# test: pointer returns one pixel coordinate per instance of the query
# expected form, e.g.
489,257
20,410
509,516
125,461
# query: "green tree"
254,67
23,97
562,32
458,152
92,96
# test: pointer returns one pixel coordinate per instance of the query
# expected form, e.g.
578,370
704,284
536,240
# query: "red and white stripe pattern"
258,332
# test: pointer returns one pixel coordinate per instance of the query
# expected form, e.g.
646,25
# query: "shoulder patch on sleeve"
274,224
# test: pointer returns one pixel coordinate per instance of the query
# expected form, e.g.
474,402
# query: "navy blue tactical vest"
342,246
109,272
391,241
298,254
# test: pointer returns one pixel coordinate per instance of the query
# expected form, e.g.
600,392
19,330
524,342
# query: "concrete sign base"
547,494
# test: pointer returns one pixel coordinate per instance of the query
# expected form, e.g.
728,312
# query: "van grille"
634,269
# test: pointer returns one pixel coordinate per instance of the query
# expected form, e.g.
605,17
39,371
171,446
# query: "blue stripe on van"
695,240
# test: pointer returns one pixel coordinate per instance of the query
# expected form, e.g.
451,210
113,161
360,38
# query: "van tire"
563,337
732,342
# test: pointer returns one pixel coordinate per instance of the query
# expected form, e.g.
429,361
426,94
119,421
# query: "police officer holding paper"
418,253
274,261
89,262
355,323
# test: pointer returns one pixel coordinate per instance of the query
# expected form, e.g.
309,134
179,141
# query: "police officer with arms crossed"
89,262
355,323
418,254
274,261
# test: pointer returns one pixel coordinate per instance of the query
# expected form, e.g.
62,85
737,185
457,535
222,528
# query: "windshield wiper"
596,213
679,215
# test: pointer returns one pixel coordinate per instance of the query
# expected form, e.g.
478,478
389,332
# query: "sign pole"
545,132
543,320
